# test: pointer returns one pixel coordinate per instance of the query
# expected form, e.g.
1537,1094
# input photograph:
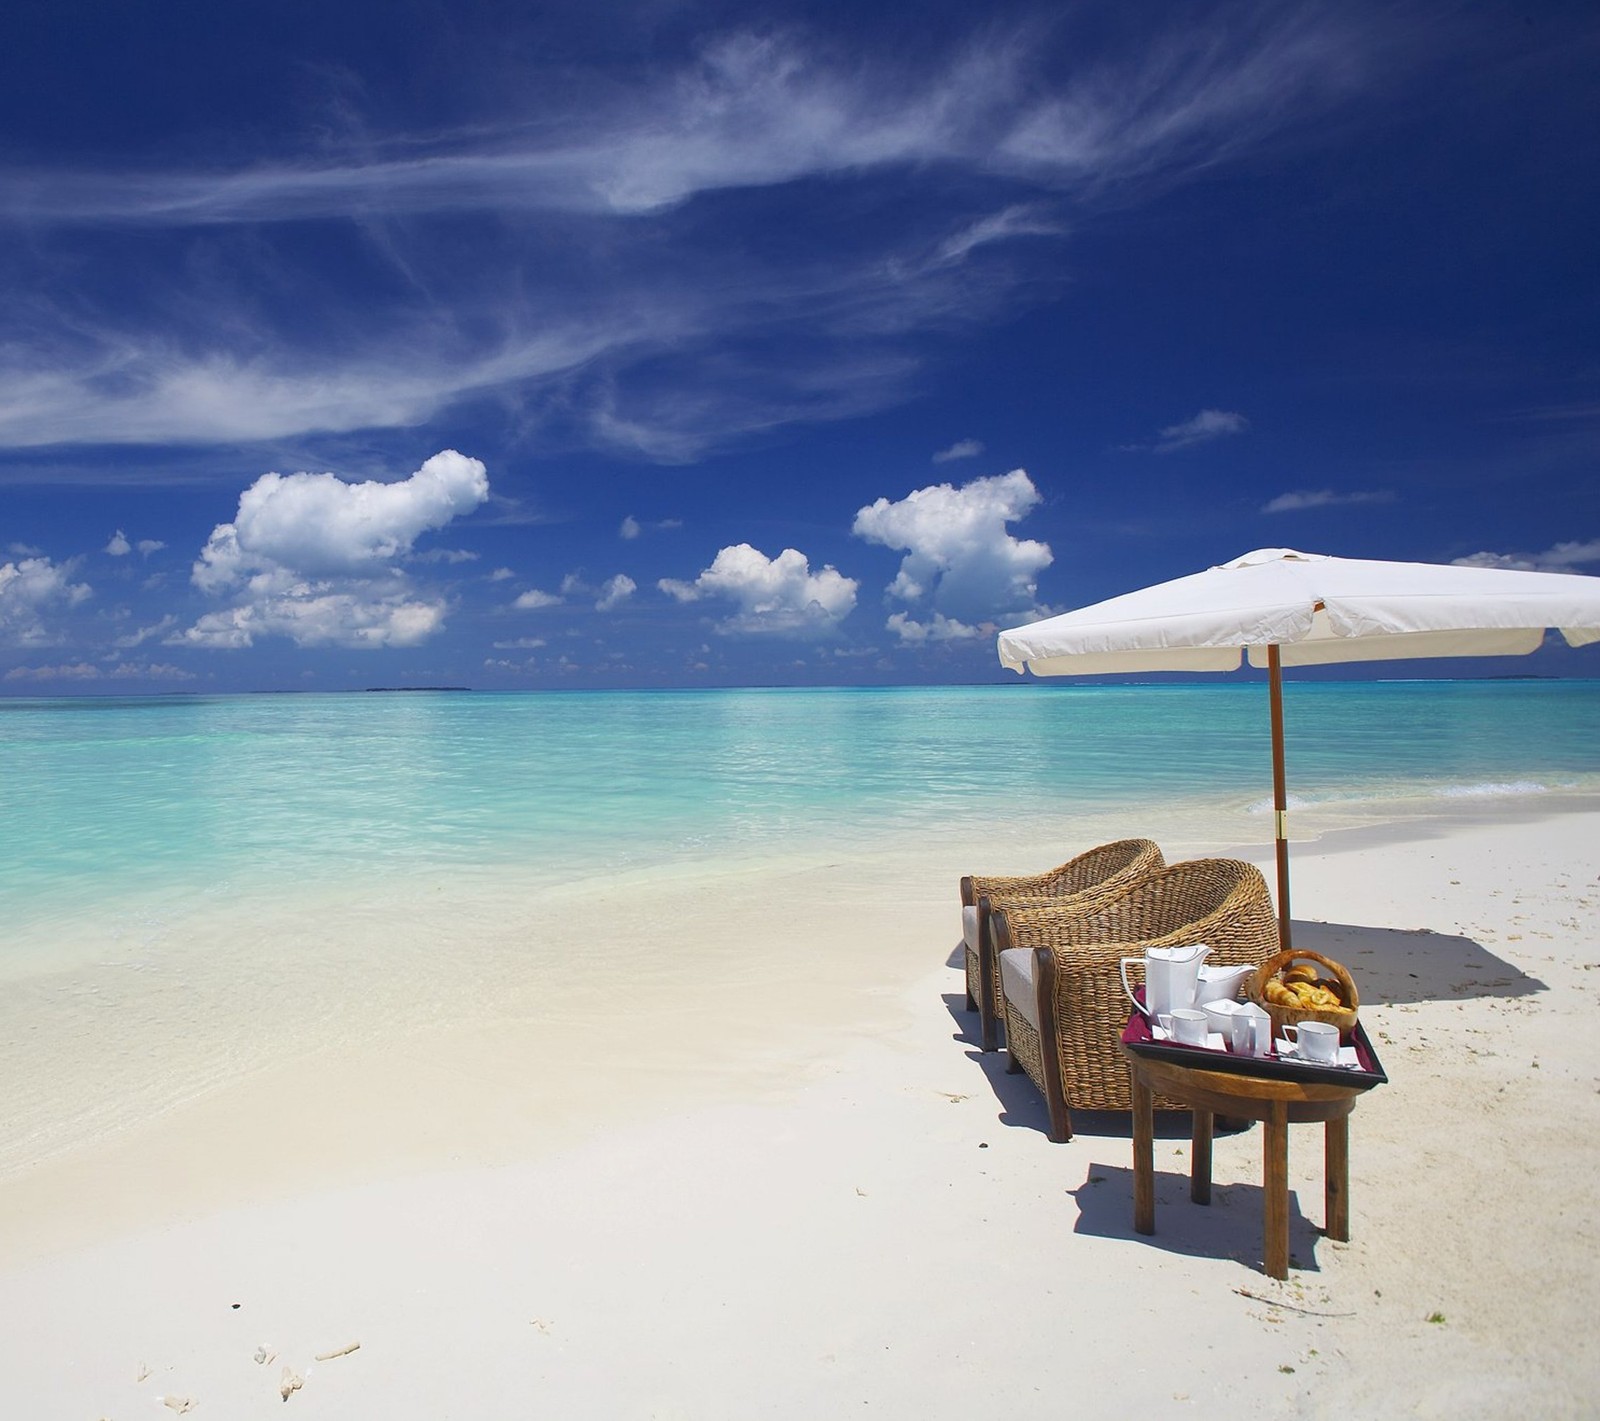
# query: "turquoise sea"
205,895
165,797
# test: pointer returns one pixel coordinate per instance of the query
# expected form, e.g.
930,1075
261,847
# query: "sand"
809,1195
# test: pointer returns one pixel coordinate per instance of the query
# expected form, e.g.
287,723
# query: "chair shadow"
1022,1107
1229,1227
1399,966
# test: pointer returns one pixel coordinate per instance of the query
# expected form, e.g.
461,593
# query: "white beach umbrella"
1283,608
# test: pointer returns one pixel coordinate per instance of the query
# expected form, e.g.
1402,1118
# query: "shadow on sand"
1230,1226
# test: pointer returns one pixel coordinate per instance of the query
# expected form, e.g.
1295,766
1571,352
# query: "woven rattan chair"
1083,882
1061,981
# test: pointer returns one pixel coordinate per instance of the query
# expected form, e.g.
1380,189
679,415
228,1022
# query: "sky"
671,344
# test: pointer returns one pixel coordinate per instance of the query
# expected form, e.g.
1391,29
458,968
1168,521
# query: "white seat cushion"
1016,981
969,926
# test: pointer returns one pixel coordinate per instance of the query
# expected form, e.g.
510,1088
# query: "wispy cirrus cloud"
1299,500
1202,428
562,261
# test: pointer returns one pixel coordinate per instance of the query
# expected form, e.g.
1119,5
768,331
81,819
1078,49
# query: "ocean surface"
158,799
203,893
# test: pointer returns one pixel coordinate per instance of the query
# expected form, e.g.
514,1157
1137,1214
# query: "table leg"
1144,1166
1275,1187
1200,1165
1336,1178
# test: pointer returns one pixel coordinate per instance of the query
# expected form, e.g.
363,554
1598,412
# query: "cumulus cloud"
936,629
614,591
961,561
84,671
120,547
630,528
961,449
318,560
31,589
778,596
1299,500
1563,557
534,600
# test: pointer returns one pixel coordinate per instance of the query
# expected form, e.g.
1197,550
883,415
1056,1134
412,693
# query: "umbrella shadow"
1230,1226
1392,966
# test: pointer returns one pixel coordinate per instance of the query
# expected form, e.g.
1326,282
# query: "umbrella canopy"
1280,608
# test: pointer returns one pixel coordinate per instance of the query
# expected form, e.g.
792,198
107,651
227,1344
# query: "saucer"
1288,1051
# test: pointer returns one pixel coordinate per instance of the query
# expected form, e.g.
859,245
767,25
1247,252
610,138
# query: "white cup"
1315,1041
1188,1026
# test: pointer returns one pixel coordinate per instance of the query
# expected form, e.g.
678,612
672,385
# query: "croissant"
1300,973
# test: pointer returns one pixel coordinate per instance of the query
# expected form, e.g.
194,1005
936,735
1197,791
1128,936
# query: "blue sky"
669,344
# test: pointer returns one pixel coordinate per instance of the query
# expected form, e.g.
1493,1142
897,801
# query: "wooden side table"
1278,1102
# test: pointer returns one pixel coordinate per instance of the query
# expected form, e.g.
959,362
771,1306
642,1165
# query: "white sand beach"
801,1192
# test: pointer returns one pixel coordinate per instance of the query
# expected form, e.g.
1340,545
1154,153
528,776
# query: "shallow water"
200,889
173,796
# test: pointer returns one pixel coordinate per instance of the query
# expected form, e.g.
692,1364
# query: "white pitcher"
1171,977
1220,984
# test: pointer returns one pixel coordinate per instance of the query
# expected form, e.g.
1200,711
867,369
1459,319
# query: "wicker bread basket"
1343,1017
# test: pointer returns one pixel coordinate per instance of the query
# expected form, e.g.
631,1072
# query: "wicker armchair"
1083,882
1060,973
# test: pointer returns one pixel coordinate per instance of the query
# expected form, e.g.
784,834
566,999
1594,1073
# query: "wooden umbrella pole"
1280,794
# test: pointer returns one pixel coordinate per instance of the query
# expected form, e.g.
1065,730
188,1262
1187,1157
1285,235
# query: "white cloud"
1016,114
960,559
315,559
1204,427
147,546
937,628
501,574
318,524
780,595
534,600
30,590
119,546
615,591
521,643
1563,557
83,671
961,449
144,634
1301,499
630,528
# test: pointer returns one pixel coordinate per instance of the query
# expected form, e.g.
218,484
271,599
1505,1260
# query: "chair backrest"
1100,870
1222,902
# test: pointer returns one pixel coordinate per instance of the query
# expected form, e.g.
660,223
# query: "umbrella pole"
1280,794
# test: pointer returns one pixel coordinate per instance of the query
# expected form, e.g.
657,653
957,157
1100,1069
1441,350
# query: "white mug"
1315,1041
1187,1026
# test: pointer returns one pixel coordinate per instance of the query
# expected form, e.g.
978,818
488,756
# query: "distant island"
374,689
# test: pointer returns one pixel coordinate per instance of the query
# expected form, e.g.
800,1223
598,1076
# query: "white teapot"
1171,978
